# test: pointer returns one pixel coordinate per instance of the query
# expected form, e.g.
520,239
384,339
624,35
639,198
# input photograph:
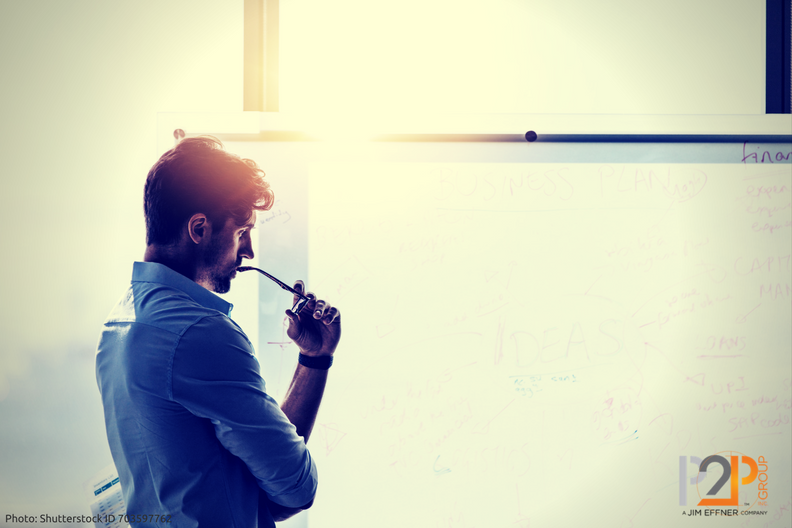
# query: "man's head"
201,201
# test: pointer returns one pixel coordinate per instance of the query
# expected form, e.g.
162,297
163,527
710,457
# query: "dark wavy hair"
199,176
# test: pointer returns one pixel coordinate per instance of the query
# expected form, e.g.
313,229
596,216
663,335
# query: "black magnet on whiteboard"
530,136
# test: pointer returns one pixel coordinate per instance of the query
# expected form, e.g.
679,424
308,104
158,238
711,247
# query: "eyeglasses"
301,301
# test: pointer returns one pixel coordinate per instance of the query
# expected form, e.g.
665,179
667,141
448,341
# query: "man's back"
192,431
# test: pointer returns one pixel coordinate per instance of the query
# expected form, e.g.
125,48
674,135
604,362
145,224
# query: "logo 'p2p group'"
741,481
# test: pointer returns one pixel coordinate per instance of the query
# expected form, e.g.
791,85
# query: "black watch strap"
316,362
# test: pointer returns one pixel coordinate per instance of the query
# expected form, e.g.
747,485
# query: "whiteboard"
540,335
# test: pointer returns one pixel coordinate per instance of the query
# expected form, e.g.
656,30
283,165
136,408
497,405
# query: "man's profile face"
228,245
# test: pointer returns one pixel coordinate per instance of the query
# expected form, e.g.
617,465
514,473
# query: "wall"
83,82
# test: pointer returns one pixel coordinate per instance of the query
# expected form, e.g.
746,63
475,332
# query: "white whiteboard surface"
538,343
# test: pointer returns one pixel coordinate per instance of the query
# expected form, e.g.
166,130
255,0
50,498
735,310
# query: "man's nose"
246,249
247,252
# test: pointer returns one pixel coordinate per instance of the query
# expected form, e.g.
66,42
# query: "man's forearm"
302,400
316,331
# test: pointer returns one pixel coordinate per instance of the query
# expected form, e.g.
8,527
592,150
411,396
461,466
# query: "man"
195,437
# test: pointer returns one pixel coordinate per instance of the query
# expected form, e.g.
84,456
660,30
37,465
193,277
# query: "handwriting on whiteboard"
757,154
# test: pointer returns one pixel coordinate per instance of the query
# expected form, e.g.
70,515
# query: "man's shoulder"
163,307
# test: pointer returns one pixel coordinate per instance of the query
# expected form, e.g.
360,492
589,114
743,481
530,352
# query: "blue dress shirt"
193,432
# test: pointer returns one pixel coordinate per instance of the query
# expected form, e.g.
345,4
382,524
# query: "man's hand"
316,330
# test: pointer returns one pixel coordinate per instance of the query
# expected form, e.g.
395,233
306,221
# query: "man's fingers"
309,304
331,315
300,287
320,309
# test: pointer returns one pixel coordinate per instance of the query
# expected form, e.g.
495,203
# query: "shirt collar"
161,274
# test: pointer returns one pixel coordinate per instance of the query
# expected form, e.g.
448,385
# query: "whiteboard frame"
276,126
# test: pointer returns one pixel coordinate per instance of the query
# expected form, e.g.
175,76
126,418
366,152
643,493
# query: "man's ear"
199,228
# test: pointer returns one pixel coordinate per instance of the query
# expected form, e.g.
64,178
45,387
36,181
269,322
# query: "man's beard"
219,279
220,284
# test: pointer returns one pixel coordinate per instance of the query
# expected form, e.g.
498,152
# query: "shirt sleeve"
215,376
